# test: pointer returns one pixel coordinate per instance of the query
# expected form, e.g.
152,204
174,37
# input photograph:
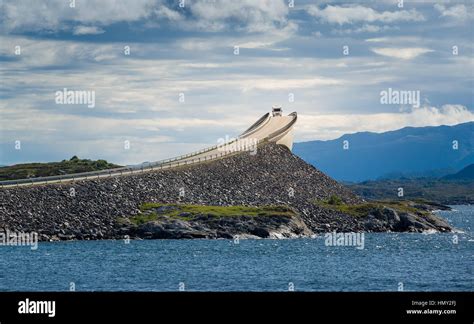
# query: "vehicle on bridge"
277,111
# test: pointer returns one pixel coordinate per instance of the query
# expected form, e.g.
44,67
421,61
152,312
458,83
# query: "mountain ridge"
369,155
466,173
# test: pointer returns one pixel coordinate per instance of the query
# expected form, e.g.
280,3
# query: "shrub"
334,200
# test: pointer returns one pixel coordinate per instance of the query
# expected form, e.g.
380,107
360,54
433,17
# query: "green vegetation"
33,170
152,211
441,191
363,209
140,219
334,200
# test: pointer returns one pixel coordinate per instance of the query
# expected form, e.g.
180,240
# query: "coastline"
105,208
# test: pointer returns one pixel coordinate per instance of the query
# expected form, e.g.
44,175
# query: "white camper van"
276,111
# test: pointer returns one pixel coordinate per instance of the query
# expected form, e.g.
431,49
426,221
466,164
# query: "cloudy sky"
333,57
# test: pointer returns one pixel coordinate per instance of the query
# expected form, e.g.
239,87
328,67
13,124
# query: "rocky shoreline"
389,219
212,226
99,209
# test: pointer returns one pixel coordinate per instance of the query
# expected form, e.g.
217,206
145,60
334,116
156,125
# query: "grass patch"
143,218
153,211
363,209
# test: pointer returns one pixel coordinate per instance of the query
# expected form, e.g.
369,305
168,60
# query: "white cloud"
210,16
137,95
285,84
42,53
201,65
255,44
334,126
395,39
457,12
88,30
366,28
167,13
53,15
249,15
354,14
406,53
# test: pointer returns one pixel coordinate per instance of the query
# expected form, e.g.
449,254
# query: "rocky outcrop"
388,219
90,209
210,227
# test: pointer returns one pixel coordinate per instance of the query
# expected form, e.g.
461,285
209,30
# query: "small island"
271,194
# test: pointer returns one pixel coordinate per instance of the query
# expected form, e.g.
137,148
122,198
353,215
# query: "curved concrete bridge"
271,127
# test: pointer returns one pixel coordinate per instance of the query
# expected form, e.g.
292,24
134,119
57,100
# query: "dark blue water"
419,262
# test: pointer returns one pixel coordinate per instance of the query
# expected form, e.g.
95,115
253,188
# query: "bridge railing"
285,128
116,171
145,167
111,172
250,130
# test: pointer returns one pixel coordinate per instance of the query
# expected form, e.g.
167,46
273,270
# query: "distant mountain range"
465,174
453,189
407,152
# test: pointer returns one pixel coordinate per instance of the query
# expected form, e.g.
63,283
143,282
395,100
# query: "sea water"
387,262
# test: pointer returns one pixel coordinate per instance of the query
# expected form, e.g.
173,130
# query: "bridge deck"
266,128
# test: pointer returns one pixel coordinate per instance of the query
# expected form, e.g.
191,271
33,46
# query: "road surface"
277,129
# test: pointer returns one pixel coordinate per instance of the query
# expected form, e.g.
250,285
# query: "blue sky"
190,50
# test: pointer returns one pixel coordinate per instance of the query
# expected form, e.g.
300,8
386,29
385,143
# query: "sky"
170,77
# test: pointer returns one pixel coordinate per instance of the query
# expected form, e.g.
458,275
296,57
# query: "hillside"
453,189
34,170
412,151
441,191
465,174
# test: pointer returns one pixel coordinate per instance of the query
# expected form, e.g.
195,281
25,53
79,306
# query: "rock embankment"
174,222
389,219
212,228
90,209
